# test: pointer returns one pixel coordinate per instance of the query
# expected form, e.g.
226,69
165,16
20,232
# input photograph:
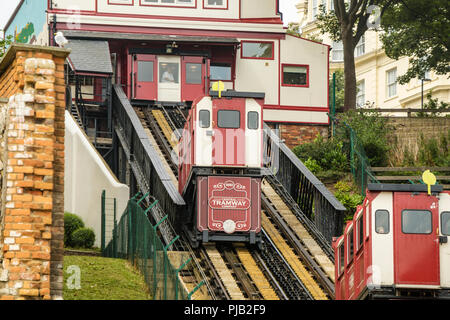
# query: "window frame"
341,257
174,5
248,120
121,2
334,50
222,64
441,222
295,85
207,6
209,118
388,220
360,232
186,72
389,84
218,119
350,243
257,58
363,95
420,233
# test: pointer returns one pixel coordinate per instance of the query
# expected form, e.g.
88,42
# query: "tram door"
169,84
228,132
193,70
144,77
416,240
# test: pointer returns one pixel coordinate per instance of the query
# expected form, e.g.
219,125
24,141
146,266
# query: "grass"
103,279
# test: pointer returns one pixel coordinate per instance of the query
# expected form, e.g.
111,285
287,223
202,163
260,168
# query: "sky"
287,7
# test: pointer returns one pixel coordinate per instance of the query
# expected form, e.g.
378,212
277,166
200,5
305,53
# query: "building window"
360,47
220,71
257,50
295,75
360,93
145,71
229,119
337,52
331,5
416,221
123,2
168,72
315,8
391,80
252,120
194,73
175,3
215,4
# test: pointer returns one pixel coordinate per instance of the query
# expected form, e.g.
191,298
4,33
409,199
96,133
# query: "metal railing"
315,201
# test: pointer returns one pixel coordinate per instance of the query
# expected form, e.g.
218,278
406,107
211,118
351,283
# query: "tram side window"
416,221
382,221
204,118
341,259
445,223
229,119
350,243
252,118
360,224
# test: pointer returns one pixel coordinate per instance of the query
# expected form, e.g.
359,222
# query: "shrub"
83,238
72,222
347,194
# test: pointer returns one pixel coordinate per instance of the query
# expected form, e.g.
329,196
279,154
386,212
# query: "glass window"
445,223
258,50
360,47
145,71
382,221
391,80
189,3
360,224
337,52
360,93
215,2
194,73
168,72
220,71
253,119
350,245
416,221
295,75
204,118
341,258
229,119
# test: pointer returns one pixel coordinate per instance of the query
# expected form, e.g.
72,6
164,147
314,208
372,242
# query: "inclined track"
291,264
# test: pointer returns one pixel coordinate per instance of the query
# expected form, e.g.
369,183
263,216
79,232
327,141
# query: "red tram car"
396,246
220,165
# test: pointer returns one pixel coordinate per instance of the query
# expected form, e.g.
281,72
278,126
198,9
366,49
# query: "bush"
72,222
347,194
83,238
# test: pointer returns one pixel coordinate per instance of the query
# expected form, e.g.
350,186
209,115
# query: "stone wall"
32,215
407,131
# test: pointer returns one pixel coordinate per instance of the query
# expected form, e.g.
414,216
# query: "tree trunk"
349,70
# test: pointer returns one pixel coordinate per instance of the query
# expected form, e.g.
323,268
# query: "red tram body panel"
220,165
396,246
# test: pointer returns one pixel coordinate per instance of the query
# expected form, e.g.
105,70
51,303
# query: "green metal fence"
136,239
359,162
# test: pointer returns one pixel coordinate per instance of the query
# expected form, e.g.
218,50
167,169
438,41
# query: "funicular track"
291,265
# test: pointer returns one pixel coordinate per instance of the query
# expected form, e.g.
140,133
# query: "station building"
171,51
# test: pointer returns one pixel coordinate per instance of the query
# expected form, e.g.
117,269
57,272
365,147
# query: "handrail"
316,202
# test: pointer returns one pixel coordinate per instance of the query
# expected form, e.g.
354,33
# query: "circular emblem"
229,226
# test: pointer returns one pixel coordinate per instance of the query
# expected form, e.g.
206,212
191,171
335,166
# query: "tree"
347,23
4,44
420,30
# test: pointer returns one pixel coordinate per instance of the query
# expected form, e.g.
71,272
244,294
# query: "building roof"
90,56
77,34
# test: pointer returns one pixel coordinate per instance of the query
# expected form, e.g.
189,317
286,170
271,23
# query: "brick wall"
295,134
32,215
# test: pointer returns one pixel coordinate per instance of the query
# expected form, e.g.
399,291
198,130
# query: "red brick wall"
295,134
32,226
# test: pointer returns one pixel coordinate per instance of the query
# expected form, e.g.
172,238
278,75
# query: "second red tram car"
396,246
220,165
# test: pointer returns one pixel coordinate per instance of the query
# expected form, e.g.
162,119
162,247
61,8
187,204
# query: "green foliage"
433,104
372,132
434,152
340,83
4,44
347,194
72,222
418,29
324,158
83,238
